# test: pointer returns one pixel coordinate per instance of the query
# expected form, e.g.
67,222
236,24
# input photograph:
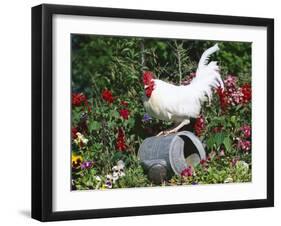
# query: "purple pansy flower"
86,165
146,117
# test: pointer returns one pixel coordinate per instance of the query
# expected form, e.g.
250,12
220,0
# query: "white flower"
115,173
122,174
120,164
80,138
98,178
108,177
121,167
118,171
228,180
108,182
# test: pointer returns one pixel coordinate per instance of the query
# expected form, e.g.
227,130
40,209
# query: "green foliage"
215,171
134,178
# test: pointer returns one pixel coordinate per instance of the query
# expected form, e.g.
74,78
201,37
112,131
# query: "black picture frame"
42,111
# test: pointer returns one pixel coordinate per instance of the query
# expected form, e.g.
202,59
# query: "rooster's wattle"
166,101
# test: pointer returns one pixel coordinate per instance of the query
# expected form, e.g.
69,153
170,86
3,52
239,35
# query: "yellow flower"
76,160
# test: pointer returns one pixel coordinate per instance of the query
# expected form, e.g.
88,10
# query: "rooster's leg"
176,129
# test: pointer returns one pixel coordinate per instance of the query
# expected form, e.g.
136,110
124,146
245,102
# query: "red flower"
78,99
247,93
203,161
244,145
124,103
107,95
120,143
124,113
187,172
233,95
199,125
230,81
246,131
223,98
73,133
217,129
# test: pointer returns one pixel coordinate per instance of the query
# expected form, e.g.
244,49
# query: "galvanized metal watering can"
165,156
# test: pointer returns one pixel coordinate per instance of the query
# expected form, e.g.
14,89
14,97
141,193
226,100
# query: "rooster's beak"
146,86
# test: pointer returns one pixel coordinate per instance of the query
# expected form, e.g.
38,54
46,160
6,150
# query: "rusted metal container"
165,156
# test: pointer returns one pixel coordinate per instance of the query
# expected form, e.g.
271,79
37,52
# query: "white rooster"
166,101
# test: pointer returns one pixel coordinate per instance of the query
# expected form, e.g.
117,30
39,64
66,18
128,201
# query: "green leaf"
227,143
233,119
117,156
94,125
219,138
210,142
115,113
131,122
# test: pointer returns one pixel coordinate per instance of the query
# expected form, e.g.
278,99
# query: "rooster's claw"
165,133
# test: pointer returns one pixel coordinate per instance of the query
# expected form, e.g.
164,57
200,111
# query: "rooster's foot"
166,133
175,130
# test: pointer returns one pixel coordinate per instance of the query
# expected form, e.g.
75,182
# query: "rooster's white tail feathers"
205,56
207,75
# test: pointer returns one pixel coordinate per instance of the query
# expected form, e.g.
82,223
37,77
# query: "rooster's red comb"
147,76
